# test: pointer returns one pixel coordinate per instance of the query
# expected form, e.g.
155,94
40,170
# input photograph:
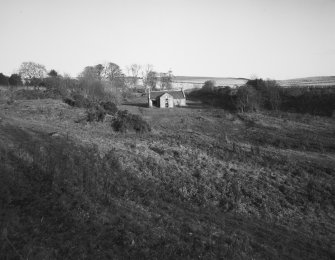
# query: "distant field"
188,82
325,81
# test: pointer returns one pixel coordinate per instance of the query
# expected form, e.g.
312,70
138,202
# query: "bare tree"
273,94
112,71
133,71
32,72
146,70
166,80
152,79
247,99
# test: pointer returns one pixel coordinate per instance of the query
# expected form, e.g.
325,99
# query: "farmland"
327,81
187,82
203,183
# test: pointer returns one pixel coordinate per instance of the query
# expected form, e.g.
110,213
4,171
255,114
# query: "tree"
53,73
15,80
112,71
145,72
3,80
273,94
269,91
208,86
90,73
133,71
166,80
247,99
32,72
151,80
99,70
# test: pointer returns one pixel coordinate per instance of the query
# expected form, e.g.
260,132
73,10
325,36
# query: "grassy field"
326,81
197,82
204,183
187,82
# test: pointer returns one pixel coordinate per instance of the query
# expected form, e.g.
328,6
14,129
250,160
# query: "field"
204,183
197,82
327,81
187,82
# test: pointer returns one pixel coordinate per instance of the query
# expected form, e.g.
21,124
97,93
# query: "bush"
209,86
110,107
269,91
78,100
125,122
96,113
71,102
247,99
318,101
81,101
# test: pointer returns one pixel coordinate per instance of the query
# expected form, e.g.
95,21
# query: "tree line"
259,94
35,74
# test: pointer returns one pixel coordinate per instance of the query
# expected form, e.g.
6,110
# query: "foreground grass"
203,184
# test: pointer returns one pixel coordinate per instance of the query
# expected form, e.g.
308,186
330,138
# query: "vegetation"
314,101
32,72
15,80
126,122
3,80
205,183
166,80
268,95
84,175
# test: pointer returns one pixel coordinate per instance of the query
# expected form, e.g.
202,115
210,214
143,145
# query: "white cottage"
166,98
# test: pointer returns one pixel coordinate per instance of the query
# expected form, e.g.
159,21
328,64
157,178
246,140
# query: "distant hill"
188,82
322,81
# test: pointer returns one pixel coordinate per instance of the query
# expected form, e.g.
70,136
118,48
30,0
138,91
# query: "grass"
204,183
309,81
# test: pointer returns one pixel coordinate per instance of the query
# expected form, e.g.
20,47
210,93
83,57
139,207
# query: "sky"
278,39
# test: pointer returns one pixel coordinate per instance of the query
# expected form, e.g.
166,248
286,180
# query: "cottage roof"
177,94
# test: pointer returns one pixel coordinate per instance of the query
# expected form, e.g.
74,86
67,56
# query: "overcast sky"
278,39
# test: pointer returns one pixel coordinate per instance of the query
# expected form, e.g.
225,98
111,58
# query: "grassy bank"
204,183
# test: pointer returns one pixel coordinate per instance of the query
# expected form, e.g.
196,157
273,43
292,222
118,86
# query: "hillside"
325,81
188,82
204,183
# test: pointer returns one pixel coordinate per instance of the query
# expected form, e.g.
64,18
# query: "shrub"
209,86
109,106
95,113
78,100
247,99
125,122
313,101
71,102
15,80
